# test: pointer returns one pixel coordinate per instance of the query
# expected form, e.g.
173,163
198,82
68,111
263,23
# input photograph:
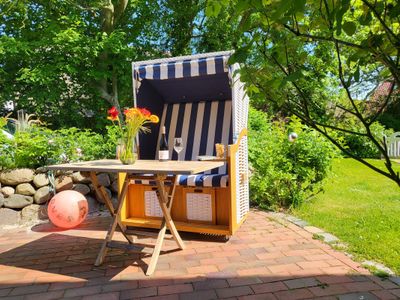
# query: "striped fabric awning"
165,69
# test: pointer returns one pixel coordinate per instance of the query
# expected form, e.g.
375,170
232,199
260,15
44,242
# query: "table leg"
113,225
100,191
166,201
163,200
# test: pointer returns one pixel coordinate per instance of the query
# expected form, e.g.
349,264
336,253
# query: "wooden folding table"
159,171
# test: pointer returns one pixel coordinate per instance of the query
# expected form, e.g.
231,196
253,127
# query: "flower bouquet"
136,120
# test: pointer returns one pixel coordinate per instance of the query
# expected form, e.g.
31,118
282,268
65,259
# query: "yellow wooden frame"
224,203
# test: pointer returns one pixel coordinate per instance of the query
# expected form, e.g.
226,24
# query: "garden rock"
42,195
113,176
64,183
41,170
17,176
7,191
103,179
93,204
9,216
77,177
81,188
101,200
114,186
25,189
1,200
378,266
297,221
58,173
40,180
17,201
395,279
33,213
329,238
114,201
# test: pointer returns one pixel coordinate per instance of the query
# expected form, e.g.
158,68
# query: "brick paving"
266,259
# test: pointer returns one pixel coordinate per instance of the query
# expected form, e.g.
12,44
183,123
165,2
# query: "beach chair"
201,99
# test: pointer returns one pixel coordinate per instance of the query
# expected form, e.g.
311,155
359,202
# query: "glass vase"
127,151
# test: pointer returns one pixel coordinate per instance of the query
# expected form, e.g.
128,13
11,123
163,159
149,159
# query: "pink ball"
67,209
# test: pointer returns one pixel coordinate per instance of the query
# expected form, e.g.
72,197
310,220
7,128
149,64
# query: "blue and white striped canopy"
181,68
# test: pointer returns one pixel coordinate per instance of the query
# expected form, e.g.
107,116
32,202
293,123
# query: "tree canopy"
68,61
318,59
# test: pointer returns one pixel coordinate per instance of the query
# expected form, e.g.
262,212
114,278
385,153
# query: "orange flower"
131,112
154,119
145,112
136,120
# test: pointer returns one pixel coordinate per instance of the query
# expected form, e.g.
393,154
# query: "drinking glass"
178,145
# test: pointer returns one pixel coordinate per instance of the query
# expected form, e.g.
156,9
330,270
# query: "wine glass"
178,145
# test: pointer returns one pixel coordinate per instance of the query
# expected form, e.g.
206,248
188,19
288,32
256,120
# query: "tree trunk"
108,87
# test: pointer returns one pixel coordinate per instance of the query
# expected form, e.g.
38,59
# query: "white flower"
50,142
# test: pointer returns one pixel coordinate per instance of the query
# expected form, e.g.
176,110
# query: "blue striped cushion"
199,180
200,125
204,180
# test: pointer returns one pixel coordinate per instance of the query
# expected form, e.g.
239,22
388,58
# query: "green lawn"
362,208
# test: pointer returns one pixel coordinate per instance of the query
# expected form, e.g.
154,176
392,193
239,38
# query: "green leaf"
298,5
395,11
349,28
239,55
345,5
252,89
213,8
365,19
242,5
294,76
357,74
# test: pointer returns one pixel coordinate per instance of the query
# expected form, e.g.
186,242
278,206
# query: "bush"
285,173
362,146
7,148
41,146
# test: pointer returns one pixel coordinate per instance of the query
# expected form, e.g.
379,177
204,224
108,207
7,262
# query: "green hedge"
284,174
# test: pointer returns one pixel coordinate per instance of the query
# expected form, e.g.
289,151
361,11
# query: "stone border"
24,193
334,242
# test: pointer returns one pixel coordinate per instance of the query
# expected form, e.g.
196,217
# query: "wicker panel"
151,205
240,101
242,182
199,207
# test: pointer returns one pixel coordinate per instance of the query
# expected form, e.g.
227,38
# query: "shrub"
285,173
362,146
41,146
6,151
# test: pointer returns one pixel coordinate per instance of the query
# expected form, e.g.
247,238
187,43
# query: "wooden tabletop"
140,166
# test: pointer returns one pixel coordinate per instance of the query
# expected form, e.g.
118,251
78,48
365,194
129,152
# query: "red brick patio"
264,260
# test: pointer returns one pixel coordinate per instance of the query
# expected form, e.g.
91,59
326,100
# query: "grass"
362,208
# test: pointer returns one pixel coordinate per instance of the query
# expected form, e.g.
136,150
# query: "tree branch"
387,29
391,174
322,38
